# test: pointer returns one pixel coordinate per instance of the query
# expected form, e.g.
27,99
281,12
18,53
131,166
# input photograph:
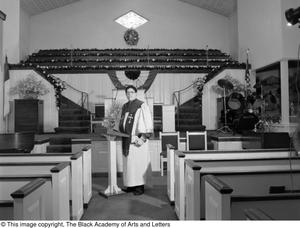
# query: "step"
189,110
71,111
59,148
190,128
74,117
189,115
60,141
74,123
189,121
75,130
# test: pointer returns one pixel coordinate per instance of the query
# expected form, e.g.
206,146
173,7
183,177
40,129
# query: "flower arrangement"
198,85
29,88
113,115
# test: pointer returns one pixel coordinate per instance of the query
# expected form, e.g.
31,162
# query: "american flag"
247,75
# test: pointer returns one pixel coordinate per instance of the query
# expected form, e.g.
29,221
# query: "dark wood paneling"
29,115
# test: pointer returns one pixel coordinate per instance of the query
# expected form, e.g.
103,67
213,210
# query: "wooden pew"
30,200
40,145
86,146
15,175
76,173
173,155
175,174
19,142
222,204
77,145
240,177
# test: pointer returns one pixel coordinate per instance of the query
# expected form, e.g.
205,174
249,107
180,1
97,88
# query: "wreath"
131,37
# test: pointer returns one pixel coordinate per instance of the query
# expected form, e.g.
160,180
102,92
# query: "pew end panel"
170,172
61,191
77,196
191,189
178,189
85,145
58,174
11,183
87,175
217,199
30,200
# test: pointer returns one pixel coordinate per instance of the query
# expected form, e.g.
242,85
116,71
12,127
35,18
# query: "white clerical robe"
136,165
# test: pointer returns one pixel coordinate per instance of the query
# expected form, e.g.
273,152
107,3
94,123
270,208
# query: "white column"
2,123
284,84
168,118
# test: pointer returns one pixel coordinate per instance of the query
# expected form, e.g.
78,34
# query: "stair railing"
77,96
177,100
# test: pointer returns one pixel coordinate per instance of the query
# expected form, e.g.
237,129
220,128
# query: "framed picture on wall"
294,90
269,90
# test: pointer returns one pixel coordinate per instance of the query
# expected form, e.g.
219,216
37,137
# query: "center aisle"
152,205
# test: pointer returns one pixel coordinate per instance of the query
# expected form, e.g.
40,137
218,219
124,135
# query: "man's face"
131,94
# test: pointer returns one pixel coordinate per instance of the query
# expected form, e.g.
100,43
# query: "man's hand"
138,142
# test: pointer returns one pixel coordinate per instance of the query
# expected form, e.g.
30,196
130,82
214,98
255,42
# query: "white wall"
90,24
233,36
24,34
291,35
99,87
11,29
2,124
259,29
165,85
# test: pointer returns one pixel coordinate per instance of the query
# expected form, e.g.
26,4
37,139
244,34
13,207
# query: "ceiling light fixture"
131,20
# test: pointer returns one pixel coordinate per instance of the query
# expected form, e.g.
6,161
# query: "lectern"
112,188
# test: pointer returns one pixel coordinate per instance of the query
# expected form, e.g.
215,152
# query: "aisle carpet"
152,205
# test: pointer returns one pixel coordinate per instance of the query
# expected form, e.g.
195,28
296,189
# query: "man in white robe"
136,121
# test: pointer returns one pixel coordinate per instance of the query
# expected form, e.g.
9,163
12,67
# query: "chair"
167,138
196,140
97,117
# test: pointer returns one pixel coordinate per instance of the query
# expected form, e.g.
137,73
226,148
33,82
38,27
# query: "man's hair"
130,87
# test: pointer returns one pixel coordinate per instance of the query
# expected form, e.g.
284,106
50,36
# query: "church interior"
222,88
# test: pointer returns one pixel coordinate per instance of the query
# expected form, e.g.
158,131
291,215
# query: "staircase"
72,118
189,116
59,145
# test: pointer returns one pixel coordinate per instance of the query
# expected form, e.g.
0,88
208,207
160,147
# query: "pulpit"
112,188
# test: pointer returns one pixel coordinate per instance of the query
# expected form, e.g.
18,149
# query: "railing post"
178,110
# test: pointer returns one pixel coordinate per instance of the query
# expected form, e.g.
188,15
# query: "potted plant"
29,88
